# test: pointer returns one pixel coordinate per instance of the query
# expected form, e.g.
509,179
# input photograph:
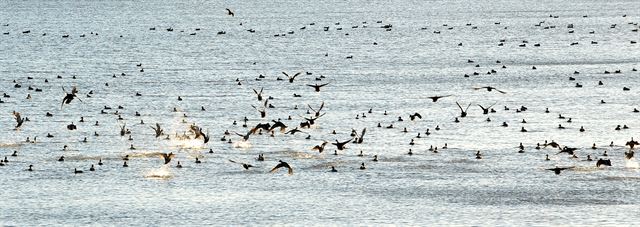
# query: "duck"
362,167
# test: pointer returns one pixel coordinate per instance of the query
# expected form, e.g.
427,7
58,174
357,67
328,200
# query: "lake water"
426,52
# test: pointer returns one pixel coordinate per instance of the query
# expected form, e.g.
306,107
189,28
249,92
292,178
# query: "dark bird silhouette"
282,164
360,137
320,147
436,98
557,170
463,112
259,94
293,131
414,116
244,165
76,171
263,111
486,110
291,78
69,96
632,143
568,150
317,112
278,124
157,129
230,13
261,126
245,137
603,162
317,87
341,145
19,120
489,88
167,157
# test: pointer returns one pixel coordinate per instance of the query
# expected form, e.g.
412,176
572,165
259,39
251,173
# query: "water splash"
631,163
242,144
162,173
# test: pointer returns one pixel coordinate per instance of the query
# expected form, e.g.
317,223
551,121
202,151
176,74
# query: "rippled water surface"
427,50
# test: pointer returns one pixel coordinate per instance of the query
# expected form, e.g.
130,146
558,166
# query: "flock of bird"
263,123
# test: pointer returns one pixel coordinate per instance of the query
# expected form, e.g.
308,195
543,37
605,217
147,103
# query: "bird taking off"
282,164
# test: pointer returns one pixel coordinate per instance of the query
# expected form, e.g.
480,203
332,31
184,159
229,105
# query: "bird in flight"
320,147
259,94
19,120
360,137
340,145
463,112
230,13
291,78
282,164
244,165
413,116
557,170
167,157
69,96
157,129
317,87
489,88
435,98
317,112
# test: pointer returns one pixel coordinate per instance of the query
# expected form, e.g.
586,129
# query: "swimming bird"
244,165
362,167
30,168
291,78
282,164
317,87
198,161
478,155
333,169
125,164
92,168
489,88
557,170
76,171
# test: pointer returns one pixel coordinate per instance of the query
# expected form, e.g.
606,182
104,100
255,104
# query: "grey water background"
419,56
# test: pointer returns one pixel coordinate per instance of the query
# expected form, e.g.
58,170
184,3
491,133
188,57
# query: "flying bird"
414,116
69,96
229,12
291,78
282,164
317,112
320,147
317,87
157,129
167,157
489,88
19,120
435,98
463,113
360,137
340,145
244,165
557,170
259,94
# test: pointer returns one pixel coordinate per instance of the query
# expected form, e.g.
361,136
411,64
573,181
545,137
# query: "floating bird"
603,162
282,164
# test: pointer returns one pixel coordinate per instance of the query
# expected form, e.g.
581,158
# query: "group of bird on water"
313,115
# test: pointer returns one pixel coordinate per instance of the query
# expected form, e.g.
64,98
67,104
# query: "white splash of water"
242,144
163,172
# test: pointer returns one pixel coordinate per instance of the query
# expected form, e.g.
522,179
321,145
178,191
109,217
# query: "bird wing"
277,167
286,74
